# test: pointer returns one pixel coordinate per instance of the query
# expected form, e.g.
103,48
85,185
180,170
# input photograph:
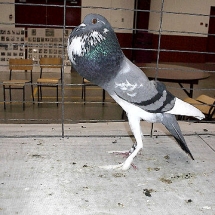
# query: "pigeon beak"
80,27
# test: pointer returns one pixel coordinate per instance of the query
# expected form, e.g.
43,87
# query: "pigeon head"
94,50
92,22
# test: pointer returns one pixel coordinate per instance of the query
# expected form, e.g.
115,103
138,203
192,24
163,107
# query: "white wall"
181,22
124,19
5,11
117,18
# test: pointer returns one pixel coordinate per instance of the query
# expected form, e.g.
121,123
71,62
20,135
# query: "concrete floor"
44,174
74,109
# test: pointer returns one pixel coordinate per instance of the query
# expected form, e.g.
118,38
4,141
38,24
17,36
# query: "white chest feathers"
80,45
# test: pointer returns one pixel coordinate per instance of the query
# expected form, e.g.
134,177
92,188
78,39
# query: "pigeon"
95,54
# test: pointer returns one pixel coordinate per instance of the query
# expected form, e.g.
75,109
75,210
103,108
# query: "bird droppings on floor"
148,192
37,169
167,181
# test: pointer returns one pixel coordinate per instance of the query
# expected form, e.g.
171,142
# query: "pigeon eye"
94,21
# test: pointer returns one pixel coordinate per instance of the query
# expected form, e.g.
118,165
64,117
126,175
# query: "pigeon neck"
101,63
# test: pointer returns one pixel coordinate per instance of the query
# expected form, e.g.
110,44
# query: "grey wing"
151,96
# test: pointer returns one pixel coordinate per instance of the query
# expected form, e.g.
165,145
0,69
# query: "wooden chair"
45,64
85,83
17,65
204,103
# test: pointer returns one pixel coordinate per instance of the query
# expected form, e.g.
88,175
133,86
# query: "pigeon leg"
125,153
134,122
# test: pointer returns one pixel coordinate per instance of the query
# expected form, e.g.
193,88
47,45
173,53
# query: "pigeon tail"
170,122
185,109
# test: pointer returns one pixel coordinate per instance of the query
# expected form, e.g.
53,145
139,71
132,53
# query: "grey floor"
74,110
44,174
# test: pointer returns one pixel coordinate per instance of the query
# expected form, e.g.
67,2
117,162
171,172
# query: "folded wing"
134,87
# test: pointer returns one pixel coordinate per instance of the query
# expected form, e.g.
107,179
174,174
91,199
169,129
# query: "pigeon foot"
121,166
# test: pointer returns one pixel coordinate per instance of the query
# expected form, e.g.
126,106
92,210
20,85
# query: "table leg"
189,93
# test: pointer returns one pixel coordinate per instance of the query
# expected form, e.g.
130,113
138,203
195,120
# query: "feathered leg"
134,122
170,122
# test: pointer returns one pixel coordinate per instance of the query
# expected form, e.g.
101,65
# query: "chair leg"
38,95
123,114
41,96
84,93
4,97
32,92
103,97
57,95
23,99
10,94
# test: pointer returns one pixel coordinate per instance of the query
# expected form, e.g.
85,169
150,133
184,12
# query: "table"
175,74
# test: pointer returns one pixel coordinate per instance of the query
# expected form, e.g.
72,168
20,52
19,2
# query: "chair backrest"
208,101
20,64
51,62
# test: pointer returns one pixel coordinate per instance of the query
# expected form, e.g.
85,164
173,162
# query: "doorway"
45,13
211,37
